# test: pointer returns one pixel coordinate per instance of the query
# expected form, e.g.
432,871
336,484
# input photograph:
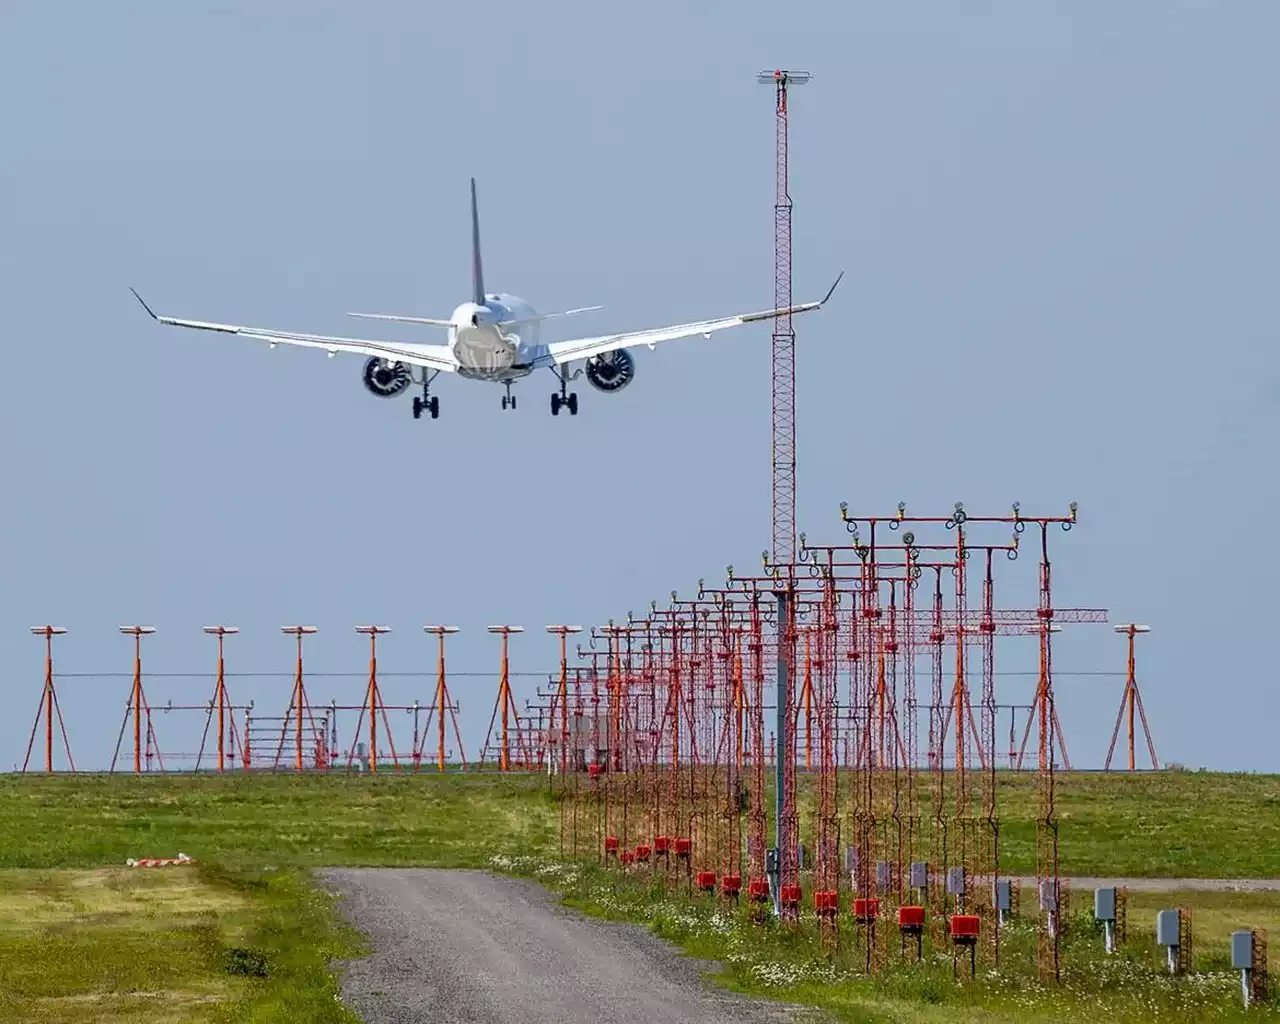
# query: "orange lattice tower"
298,703
373,704
561,703
442,704
48,706
504,705
1131,701
137,708
220,704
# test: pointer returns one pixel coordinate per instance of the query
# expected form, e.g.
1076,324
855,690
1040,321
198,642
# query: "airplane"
494,337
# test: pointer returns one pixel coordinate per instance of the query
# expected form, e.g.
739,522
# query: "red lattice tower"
784,338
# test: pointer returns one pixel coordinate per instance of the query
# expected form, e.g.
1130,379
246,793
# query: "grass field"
244,938
185,944
1164,824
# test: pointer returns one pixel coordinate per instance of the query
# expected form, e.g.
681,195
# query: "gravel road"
1171,884
468,947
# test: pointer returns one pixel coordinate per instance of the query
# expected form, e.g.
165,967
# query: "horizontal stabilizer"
547,316
429,321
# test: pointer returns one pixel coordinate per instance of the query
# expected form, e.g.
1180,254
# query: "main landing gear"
426,403
508,399
564,399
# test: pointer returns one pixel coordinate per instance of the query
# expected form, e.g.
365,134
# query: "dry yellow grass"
115,944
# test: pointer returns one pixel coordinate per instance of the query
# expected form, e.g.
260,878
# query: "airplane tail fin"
477,269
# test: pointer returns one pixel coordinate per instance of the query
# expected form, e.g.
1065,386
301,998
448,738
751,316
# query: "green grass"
242,937
251,821
1164,824
1168,824
788,964
67,954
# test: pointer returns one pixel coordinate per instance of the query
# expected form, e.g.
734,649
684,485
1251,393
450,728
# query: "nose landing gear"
508,399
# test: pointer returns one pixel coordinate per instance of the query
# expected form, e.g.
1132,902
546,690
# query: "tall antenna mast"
784,338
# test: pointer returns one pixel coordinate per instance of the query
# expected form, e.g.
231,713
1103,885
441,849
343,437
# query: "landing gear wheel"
427,403
573,404
504,401
513,401
555,404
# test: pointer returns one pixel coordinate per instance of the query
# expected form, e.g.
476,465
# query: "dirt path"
468,947
1170,884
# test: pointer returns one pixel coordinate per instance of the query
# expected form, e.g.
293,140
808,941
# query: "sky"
1058,225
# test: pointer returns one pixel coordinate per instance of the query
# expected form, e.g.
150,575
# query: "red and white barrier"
160,862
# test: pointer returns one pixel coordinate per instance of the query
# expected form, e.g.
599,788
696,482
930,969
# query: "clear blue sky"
1059,224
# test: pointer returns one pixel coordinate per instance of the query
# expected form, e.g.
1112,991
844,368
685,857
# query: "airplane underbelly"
482,352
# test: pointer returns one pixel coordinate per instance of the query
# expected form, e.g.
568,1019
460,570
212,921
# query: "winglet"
833,289
144,304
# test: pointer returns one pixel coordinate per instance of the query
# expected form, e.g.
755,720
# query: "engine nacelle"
611,371
386,379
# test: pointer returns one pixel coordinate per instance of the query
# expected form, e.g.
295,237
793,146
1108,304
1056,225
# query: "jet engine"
611,371
384,379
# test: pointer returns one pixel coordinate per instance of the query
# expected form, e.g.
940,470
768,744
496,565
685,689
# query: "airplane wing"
435,357
561,352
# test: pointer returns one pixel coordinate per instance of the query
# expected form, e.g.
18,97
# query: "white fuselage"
487,344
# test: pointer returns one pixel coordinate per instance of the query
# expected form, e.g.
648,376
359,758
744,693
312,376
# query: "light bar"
790,77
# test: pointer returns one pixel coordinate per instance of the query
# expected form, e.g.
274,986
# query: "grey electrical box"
1168,932
1241,950
1048,893
919,875
772,862
882,876
851,858
955,881
1004,894
1104,904
802,857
